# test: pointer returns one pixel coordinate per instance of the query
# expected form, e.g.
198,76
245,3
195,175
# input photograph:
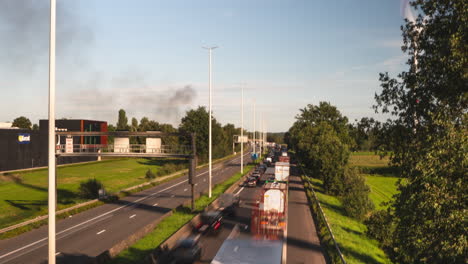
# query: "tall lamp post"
242,129
51,145
253,136
210,49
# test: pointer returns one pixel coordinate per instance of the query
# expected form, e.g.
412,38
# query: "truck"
270,214
281,171
284,159
249,251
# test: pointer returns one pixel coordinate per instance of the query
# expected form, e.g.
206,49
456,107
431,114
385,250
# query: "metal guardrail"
103,149
325,218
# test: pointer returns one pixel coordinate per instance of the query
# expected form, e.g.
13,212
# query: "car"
228,204
251,182
210,222
186,251
270,178
256,175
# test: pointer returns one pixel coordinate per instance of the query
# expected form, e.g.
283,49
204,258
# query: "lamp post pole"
242,129
210,49
51,143
254,142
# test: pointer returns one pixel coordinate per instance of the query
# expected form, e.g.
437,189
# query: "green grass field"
24,195
367,159
350,233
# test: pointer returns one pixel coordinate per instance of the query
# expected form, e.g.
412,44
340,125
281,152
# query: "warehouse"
24,148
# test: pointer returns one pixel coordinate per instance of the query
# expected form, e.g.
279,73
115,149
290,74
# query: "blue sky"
141,55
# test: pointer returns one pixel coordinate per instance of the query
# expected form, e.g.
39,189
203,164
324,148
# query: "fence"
322,215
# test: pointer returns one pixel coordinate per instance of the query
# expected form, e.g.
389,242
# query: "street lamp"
242,129
210,49
51,145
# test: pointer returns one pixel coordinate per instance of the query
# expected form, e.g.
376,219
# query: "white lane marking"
58,253
132,216
155,204
104,214
185,189
237,193
100,232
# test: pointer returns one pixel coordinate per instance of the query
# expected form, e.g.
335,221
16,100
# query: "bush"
90,189
150,175
379,227
355,199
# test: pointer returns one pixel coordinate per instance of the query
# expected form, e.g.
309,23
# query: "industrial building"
24,148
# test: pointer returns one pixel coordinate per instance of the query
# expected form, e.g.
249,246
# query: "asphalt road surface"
303,243
211,243
88,234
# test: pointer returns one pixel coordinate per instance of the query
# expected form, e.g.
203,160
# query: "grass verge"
22,210
355,246
139,251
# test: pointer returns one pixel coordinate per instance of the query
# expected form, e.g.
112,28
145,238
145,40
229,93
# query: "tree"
22,122
322,153
196,121
134,127
428,135
122,123
365,134
355,198
148,125
35,127
230,131
327,113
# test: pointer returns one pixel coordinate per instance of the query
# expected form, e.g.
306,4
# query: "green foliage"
35,127
278,138
22,122
122,123
196,121
428,135
356,195
380,227
323,153
349,232
366,134
149,175
90,189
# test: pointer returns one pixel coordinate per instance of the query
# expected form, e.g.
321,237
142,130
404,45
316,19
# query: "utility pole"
242,129
210,49
51,147
253,136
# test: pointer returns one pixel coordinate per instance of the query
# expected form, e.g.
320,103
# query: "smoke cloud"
170,107
24,34
165,106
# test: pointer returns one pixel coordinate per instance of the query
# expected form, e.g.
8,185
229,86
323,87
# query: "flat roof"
249,251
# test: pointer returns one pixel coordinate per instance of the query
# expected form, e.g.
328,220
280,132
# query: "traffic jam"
248,226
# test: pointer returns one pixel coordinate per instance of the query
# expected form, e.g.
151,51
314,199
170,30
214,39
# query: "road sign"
69,145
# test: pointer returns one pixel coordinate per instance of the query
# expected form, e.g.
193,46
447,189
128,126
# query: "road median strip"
174,225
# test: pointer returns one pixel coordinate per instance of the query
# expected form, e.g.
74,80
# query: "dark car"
210,222
270,178
251,182
228,204
186,251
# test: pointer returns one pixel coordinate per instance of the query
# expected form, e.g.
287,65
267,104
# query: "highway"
302,241
86,235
